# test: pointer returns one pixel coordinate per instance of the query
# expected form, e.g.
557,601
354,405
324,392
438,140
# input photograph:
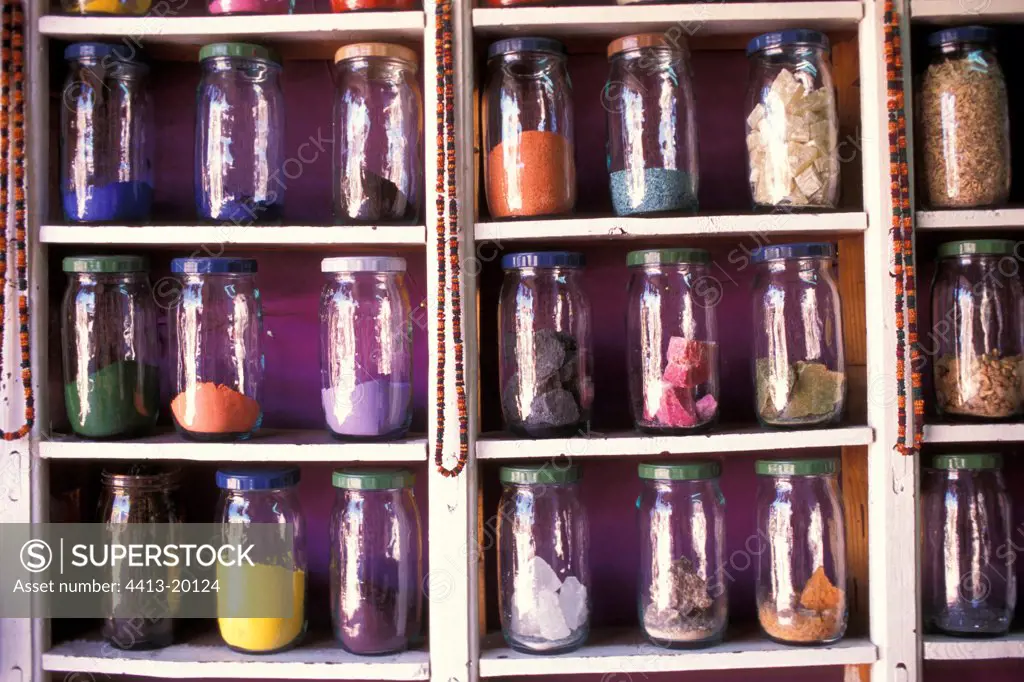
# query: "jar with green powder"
111,371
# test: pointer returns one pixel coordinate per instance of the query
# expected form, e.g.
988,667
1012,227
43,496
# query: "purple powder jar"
376,561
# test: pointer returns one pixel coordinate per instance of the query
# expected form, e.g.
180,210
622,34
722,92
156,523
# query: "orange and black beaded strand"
447,236
902,231
12,146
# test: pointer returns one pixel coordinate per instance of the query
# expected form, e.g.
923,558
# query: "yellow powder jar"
271,587
115,7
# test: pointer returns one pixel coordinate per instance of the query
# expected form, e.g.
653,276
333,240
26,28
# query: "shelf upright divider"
452,583
892,477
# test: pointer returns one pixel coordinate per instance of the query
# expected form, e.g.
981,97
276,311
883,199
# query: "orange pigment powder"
215,408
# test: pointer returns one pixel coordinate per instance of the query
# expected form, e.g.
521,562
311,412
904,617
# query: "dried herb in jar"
805,392
688,613
988,387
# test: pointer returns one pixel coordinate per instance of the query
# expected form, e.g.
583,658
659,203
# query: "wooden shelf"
631,443
973,433
691,20
250,235
627,651
943,648
207,657
296,35
270,445
998,218
702,226
966,11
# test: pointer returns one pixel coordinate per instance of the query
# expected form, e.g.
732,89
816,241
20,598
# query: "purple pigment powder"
127,201
250,6
378,408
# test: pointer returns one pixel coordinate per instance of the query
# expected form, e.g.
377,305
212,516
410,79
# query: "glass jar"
977,330
652,126
106,135
543,559
139,493
217,336
968,567
964,121
266,497
376,561
792,124
251,6
111,363
114,7
240,135
378,128
799,367
529,168
672,337
682,597
801,574
374,5
366,348
544,344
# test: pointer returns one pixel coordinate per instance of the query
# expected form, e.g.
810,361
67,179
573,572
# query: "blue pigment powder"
116,201
656,190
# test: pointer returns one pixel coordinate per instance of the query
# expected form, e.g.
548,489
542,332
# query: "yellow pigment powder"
272,587
122,7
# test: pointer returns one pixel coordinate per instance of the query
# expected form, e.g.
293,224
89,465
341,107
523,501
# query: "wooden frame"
883,534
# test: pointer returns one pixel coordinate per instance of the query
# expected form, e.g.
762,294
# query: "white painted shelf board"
269,445
207,657
249,235
628,651
697,19
975,218
966,11
973,433
630,443
638,228
943,648
278,29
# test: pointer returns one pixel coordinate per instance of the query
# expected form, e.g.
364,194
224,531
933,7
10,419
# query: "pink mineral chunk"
686,376
706,407
683,351
676,408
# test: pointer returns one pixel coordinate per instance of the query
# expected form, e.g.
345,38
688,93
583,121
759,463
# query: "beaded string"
902,231
12,139
448,236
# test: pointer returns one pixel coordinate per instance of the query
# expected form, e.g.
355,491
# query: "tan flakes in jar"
965,128
790,144
990,387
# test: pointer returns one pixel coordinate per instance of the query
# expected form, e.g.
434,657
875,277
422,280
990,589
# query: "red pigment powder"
532,174
215,408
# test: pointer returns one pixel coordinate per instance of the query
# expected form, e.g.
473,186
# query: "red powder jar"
373,5
251,6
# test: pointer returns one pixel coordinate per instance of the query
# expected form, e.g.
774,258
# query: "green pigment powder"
120,400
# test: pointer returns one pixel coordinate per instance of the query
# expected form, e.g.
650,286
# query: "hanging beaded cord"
446,190
902,231
12,138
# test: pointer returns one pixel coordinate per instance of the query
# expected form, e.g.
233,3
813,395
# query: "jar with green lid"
682,599
111,357
672,340
543,562
977,330
801,572
376,561
969,582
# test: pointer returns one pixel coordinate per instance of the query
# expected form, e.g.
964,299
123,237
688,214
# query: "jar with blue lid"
254,505
792,121
376,561
217,337
366,348
799,366
672,340
240,175
968,565
544,327
682,596
106,135
964,121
